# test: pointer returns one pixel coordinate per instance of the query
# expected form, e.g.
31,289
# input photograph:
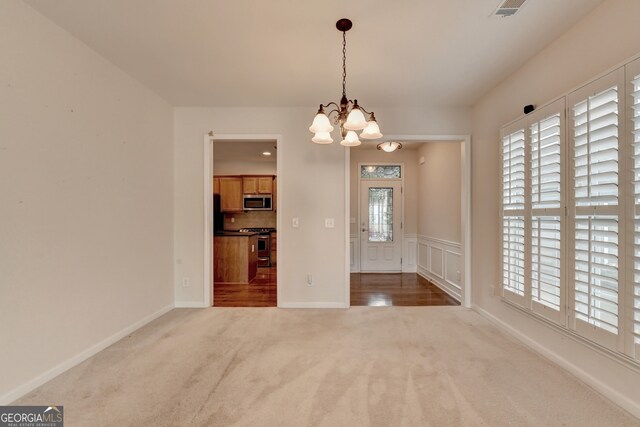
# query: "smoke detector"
509,8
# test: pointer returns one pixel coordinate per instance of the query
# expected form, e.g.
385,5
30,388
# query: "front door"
381,225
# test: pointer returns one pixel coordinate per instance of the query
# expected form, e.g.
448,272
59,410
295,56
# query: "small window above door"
380,171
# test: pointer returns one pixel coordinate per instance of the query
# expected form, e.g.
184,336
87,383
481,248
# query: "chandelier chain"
344,63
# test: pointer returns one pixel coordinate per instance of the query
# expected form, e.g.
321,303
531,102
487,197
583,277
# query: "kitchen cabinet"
257,184
274,247
231,194
216,185
235,258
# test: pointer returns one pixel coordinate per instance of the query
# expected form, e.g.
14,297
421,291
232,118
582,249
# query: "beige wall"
243,168
439,191
407,157
86,199
603,39
310,187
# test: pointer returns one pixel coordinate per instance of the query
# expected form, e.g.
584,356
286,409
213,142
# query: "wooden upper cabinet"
265,185
275,194
216,185
231,194
257,184
249,185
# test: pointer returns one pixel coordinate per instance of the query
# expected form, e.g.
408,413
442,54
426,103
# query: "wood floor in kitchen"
400,289
260,293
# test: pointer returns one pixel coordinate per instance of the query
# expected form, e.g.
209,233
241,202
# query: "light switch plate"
329,223
295,223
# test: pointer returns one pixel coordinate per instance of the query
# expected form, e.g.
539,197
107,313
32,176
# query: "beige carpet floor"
399,366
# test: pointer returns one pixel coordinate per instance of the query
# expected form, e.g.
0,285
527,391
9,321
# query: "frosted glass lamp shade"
322,138
389,146
355,120
321,124
351,140
372,131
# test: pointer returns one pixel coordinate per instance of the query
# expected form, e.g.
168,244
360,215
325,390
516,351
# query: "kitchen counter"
235,233
235,257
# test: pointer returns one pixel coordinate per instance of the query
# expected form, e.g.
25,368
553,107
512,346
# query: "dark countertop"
234,234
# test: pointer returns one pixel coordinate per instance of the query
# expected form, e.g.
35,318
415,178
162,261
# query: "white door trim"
359,217
207,286
466,213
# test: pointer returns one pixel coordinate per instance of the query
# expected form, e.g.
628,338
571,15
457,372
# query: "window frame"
622,344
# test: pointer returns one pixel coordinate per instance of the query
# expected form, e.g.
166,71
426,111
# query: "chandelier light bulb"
372,131
355,120
322,138
321,123
351,140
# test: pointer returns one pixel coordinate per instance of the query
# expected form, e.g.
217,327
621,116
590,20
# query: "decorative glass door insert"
380,214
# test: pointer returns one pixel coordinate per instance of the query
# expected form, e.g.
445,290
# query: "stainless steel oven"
264,245
264,251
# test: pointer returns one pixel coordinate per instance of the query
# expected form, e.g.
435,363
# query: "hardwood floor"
375,290
400,289
260,293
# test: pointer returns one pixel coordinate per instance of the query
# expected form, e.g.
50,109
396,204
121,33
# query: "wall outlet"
310,279
186,282
233,220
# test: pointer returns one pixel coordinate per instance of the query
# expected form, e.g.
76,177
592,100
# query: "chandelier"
349,115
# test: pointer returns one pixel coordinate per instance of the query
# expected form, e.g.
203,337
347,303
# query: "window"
380,171
532,211
380,214
633,74
596,112
513,221
570,211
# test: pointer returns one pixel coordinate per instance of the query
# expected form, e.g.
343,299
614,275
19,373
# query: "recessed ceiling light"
266,153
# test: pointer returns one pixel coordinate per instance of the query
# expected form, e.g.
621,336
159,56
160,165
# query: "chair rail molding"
440,261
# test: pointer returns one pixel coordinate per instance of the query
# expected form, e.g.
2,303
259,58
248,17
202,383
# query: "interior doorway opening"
415,199
241,220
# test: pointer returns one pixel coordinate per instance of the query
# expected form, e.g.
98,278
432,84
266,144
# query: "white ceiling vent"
509,8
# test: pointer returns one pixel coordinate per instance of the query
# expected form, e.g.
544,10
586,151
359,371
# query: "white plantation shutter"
595,212
513,171
596,271
546,138
545,162
546,258
513,253
635,131
513,220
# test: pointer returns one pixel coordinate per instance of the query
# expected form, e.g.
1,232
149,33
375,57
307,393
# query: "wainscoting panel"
440,261
354,253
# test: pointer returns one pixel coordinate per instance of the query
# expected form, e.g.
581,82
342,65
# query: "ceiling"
406,53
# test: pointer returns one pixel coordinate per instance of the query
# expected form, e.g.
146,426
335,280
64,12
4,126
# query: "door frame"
209,139
359,217
465,207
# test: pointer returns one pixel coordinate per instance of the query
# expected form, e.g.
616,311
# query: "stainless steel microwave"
257,202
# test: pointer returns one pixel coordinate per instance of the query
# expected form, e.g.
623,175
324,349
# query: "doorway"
241,220
380,218
430,225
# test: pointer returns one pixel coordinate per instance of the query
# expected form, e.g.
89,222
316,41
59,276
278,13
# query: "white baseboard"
608,392
312,305
79,358
190,304
442,284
